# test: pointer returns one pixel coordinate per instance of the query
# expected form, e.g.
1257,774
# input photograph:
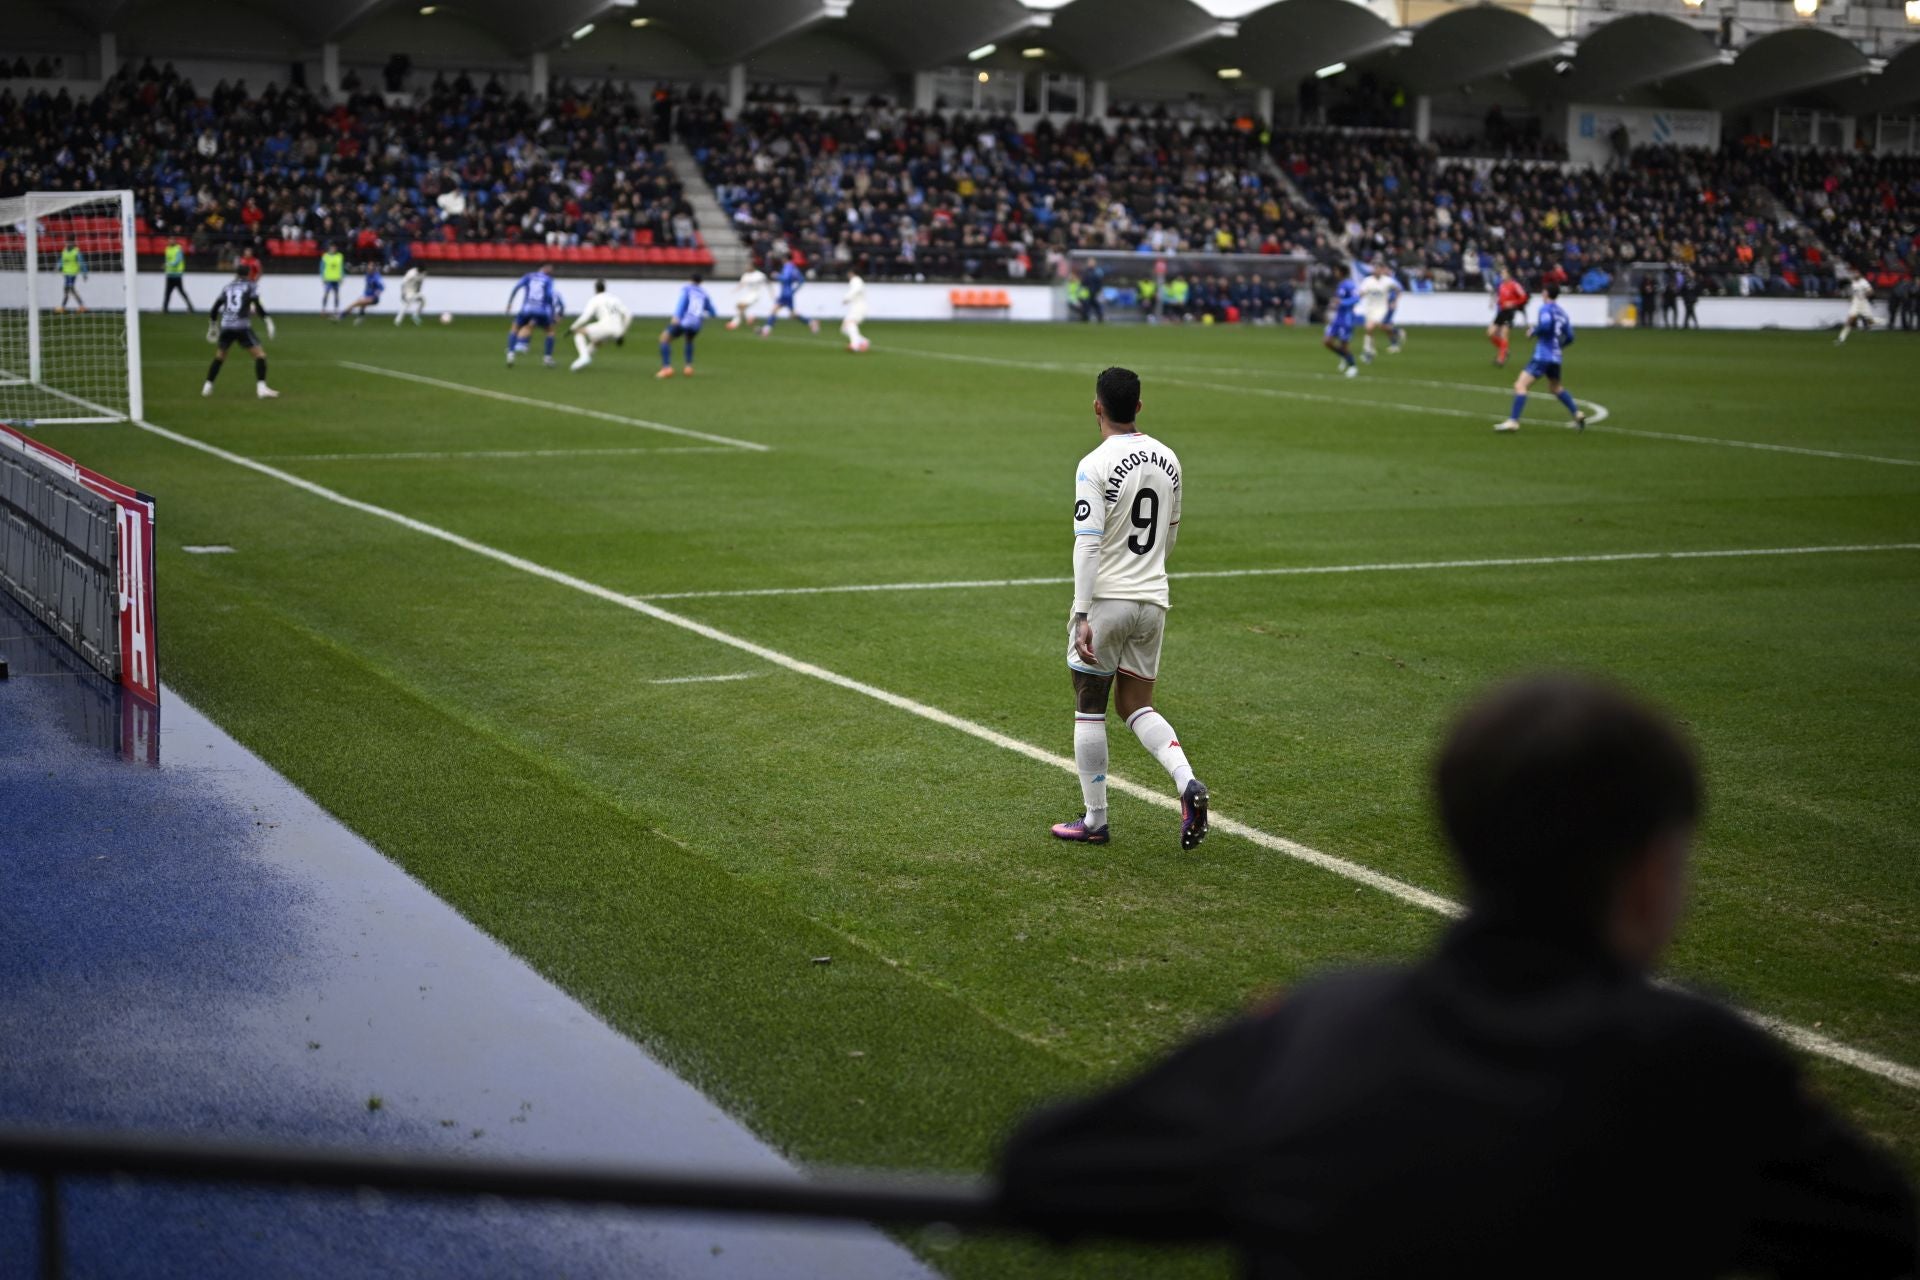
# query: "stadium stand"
972,197
1864,208
463,174
466,174
1745,219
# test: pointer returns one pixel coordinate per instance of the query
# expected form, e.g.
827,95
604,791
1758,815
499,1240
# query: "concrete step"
1300,201
730,253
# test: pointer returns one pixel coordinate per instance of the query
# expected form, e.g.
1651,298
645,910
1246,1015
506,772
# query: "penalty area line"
1597,412
1593,421
1411,894
507,397
1305,570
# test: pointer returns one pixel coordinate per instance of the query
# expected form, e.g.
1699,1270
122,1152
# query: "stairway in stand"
730,252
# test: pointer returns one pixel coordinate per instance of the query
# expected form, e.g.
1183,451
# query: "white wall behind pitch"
651,299
487,296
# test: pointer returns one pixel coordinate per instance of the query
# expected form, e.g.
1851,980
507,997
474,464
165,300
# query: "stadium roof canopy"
1864,62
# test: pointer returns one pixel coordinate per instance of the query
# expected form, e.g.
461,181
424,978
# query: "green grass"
677,854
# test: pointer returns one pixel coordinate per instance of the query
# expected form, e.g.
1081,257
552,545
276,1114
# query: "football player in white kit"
856,304
746,296
605,320
1378,292
1859,309
413,295
1126,514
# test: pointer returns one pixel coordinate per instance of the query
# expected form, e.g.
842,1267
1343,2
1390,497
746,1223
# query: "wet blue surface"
195,948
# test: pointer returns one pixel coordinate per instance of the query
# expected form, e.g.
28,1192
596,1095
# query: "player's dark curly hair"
1119,392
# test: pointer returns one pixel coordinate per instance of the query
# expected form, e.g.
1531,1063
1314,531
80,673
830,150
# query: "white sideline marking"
1289,571
555,406
1802,1038
211,549
737,675
1596,413
494,453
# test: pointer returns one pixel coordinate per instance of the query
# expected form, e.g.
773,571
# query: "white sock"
1846,329
581,345
1366,344
1090,754
1156,735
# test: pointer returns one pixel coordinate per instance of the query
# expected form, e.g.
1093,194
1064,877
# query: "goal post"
69,308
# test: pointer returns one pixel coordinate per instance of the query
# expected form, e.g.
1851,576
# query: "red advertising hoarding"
139,646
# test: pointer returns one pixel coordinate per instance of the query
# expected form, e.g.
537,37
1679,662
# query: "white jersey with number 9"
1127,494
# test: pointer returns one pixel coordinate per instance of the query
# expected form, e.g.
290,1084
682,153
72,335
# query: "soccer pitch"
574,650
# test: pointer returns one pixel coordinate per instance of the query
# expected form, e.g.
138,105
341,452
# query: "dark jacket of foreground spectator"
1525,1102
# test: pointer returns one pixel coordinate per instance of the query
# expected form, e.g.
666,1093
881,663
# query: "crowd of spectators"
44,68
943,195
1726,217
373,173
923,194
1865,208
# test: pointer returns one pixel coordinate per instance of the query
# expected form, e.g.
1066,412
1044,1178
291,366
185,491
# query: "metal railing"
966,1205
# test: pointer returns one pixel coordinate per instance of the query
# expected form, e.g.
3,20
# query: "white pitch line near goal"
1298,571
555,406
497,453
1810,1041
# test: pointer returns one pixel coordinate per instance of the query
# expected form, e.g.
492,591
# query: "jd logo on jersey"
1082,509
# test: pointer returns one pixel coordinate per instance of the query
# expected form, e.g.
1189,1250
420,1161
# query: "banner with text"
1592,131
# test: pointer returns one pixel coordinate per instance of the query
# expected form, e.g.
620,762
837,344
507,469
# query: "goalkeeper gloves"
213,332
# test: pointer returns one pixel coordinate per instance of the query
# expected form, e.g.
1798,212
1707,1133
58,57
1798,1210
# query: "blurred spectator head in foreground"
1567,801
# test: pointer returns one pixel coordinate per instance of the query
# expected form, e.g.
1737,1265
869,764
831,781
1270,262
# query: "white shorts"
1374,317
857,313
603,331
746,301
1126,638
1859,309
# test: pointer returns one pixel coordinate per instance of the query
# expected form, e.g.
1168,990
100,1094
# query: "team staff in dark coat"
1524,1102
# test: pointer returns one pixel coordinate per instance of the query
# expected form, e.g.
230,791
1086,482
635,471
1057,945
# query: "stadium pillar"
109,55
1097,100
537,71
1422,117
330,69
923,91
736,90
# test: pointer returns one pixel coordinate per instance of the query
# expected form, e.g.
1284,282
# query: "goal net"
69,314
